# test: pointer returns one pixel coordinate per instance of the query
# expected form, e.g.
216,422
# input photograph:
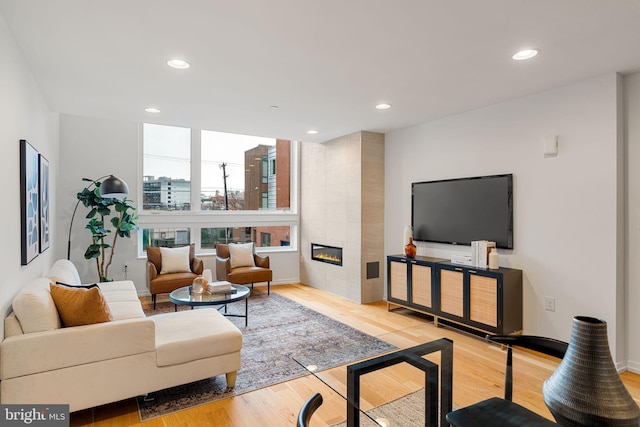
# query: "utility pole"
223,166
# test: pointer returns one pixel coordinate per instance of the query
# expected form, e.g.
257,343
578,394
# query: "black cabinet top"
446,262
420,258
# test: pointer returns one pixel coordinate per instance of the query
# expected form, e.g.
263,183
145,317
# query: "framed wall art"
29,202
44,203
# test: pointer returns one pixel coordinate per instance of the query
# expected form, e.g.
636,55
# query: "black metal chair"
504,412
308,409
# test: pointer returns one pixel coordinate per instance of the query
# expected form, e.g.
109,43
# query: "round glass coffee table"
185,296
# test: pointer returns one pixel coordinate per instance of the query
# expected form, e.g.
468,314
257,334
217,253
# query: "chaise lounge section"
42,362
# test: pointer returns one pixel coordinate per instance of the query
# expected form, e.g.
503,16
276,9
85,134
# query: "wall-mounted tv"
459,211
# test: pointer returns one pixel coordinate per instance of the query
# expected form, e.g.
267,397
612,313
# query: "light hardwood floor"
478,374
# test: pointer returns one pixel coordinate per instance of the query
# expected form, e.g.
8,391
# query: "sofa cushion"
194,334
28,354
241,255
175,260
122,299
64,271
80,305
35,309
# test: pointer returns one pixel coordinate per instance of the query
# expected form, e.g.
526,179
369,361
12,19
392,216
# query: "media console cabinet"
477,298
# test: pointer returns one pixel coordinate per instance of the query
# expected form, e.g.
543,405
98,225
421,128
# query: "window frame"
195,219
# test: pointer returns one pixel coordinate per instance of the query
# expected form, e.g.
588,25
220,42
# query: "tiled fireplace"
342,220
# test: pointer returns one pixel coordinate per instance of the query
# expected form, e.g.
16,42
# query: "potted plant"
122,223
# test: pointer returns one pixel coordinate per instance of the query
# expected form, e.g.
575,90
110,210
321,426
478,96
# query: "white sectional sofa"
90,365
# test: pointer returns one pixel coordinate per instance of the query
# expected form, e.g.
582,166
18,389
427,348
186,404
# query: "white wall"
25,115
632,120
566,233
92,148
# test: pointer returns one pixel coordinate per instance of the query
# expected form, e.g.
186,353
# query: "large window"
166,183
235,172
236,195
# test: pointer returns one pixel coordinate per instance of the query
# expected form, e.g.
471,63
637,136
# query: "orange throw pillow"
80,305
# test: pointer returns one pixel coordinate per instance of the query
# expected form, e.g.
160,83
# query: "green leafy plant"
121,226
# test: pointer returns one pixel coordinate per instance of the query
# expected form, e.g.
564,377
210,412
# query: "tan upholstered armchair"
160,282
242,269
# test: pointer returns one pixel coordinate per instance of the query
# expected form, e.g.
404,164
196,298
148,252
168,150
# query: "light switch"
551,146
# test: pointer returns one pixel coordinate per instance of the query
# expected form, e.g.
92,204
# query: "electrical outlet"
549,303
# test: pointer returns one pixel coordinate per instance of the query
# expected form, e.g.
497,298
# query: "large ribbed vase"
586,389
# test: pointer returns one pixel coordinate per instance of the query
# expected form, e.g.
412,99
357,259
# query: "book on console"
484,247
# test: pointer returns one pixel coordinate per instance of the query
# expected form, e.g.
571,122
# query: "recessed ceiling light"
180,64
152,110
312,132
383,106
525,54
274,107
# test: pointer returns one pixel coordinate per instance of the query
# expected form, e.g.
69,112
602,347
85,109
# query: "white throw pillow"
241,255
35,309
175,260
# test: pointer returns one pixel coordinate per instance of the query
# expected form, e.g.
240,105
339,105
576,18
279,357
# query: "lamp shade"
586,389
114,188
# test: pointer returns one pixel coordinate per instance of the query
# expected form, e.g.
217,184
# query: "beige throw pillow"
241,255
35,309
175,260
80,305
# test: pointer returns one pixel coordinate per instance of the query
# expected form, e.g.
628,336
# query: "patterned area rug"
407,411
279,330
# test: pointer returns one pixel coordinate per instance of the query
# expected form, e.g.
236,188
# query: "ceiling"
324,63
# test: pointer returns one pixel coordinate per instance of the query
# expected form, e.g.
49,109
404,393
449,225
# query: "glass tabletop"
186,296
403,388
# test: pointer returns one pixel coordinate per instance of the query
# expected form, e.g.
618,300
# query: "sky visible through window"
219,147
167,152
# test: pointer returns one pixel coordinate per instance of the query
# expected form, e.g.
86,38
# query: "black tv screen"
459,211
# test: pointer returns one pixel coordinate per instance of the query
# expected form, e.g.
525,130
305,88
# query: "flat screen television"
459,211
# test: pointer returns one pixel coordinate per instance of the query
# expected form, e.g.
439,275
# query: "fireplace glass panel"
328,254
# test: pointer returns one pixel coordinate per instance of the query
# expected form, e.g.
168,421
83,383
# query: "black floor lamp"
110,188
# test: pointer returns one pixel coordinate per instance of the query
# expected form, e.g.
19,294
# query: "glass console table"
370,383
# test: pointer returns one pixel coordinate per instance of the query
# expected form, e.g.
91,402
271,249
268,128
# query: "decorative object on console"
410,249
462,259
112,192
408,234
480,250
494,259
586,389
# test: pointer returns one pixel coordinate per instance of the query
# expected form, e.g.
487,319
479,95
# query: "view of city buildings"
267,182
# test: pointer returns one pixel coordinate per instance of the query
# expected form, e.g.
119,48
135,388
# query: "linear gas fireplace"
328,254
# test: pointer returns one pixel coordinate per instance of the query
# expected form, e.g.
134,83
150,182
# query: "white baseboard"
633,367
